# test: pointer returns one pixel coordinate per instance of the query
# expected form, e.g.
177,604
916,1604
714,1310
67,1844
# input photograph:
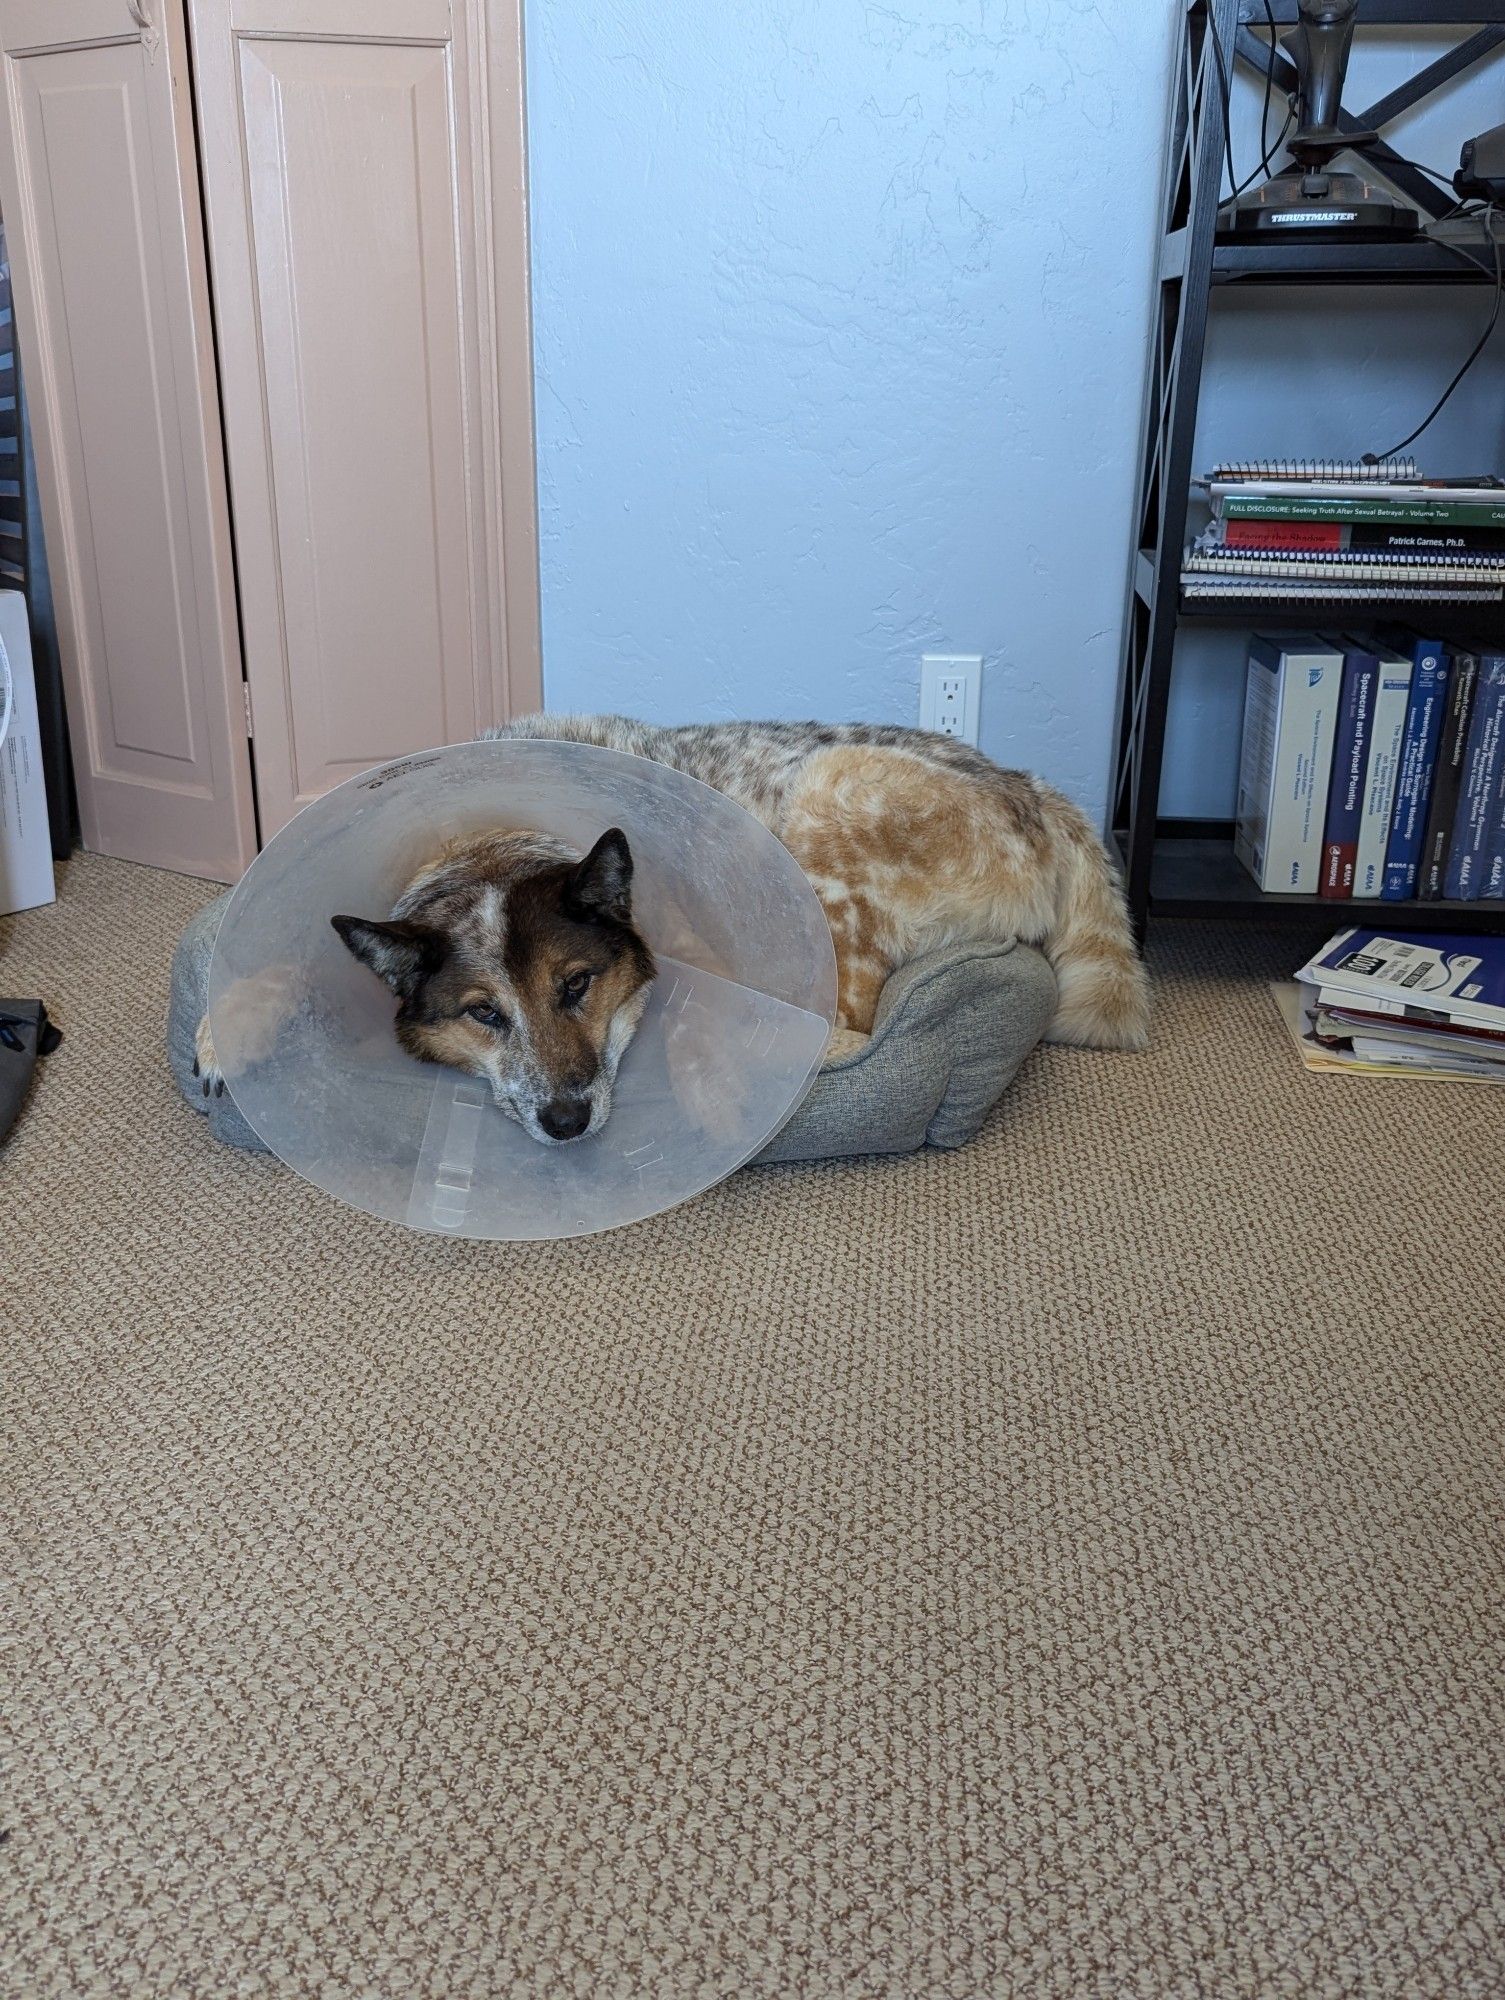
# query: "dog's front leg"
205,1062
252,1014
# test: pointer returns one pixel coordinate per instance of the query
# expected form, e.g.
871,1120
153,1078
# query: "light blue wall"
840,318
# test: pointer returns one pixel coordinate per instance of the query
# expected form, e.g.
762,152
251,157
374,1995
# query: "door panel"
361,381
355,301
99,186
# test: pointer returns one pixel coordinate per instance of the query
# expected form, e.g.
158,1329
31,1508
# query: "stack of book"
1401,1006
1328,534
1373,769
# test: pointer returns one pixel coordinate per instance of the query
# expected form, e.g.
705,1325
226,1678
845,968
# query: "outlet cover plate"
950,694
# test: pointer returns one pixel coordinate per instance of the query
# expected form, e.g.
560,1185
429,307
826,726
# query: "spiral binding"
1387,471
1360,562
1340,591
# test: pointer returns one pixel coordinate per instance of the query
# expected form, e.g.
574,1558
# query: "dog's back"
914,842
756,763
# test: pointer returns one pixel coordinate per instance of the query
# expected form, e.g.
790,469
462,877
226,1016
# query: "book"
1447,777
1345,796
1492,883
1431,670
1374,1050
1479,507
1325,1055
1381,537
1481,769
1344,591
1461,1037
1291,696
1363,470
1206,557
1461,509
1438,978
1381,770
1478,1044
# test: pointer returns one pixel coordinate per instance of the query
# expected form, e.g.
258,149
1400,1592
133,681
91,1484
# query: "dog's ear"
601,887
399,953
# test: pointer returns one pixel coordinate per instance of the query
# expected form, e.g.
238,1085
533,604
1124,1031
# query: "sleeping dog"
515,959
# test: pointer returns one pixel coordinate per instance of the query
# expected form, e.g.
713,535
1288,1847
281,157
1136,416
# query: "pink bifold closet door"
362,179
99,190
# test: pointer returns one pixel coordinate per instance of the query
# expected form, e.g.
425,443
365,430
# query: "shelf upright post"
1189,214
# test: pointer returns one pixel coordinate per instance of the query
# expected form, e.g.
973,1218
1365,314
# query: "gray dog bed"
951,1031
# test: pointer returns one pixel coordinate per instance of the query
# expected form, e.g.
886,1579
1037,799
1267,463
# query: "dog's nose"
565,1117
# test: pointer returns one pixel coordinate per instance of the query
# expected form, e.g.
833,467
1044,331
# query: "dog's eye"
489,1017
576,987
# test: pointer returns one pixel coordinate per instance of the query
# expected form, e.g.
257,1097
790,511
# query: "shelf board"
1333,260
1390,13
1445,616
1202,878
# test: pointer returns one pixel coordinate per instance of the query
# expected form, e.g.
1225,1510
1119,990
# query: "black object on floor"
25,1034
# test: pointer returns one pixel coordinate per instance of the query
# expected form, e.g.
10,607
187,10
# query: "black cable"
1227,83
1264,109
1420,167
1265,148
1266,160
1474,353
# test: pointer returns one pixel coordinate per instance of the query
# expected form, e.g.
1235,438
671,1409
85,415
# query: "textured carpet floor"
1071,1567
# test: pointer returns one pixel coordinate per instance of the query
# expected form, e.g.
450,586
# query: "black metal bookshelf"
1187,868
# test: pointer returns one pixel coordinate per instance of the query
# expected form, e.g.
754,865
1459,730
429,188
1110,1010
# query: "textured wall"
841,314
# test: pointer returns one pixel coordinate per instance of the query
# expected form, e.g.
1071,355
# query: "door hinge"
245,687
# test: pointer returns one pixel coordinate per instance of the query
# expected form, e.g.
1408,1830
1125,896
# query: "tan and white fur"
911,842
914,842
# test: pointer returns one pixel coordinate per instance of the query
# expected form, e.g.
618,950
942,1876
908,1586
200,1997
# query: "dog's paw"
711,1092
845,1043
205,1063
252,1014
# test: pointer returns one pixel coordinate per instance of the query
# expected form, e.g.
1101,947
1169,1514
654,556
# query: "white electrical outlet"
950,684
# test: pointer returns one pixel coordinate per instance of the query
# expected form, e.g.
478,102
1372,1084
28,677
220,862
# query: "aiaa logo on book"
1313,675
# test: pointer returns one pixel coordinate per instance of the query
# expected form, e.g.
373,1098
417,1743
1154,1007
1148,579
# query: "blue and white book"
1345,795
1430,976
1392,692
1492,875
1473,826
1431,668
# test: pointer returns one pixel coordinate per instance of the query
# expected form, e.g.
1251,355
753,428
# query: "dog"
514,958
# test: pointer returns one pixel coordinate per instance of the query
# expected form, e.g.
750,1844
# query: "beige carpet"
1071,1567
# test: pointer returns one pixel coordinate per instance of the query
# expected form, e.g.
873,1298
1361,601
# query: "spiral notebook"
1296,591
1360,566
1316,479
1387,471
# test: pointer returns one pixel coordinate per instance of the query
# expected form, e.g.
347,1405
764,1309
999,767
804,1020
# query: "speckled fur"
914,842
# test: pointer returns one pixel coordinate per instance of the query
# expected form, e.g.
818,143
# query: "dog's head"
516,961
